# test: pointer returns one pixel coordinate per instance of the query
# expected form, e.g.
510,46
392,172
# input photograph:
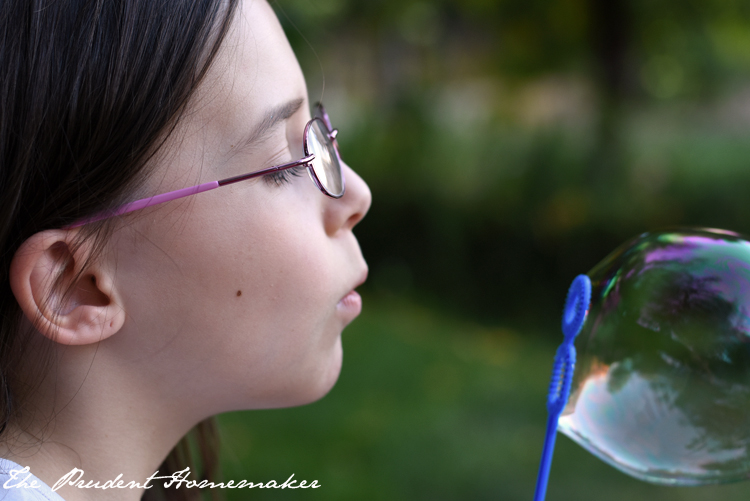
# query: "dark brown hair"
89,93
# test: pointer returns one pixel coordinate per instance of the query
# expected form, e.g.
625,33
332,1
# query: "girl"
124,325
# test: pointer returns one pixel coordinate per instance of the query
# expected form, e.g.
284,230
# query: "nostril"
354,219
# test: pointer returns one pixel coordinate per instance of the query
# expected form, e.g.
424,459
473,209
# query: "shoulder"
13,474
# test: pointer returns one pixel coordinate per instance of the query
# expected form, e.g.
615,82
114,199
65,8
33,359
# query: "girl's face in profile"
236,298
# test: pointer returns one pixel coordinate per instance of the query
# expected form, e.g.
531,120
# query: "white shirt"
41,493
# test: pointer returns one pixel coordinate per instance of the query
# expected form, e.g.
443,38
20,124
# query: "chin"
328,376
316,387
292,390
304,387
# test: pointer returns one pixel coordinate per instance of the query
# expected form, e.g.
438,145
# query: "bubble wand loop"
574,315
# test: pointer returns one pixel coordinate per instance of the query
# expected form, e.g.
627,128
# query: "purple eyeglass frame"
200,188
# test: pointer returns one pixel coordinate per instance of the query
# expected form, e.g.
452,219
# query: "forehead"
266,70
254,71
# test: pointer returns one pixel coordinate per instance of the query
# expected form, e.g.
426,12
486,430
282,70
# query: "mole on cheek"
239,293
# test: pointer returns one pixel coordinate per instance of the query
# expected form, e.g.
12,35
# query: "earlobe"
64,305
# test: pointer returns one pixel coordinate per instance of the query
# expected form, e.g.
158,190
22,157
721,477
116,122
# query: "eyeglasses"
321,159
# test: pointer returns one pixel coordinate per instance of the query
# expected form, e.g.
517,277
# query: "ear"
89,314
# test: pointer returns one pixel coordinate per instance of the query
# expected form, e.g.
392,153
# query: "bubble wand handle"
574,315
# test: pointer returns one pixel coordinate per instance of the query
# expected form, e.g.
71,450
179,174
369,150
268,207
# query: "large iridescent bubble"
662,384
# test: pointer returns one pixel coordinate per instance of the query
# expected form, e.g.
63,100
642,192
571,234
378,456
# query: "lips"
351,304
351,300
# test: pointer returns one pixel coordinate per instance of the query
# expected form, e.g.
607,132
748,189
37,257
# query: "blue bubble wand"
574,315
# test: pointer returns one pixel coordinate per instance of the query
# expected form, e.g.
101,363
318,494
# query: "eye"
292,150
281,177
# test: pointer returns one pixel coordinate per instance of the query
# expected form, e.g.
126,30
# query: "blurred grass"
428,406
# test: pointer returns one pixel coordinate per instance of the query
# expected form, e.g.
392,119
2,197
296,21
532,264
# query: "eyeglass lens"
326,163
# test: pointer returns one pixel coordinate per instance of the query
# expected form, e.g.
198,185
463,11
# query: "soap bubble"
662,385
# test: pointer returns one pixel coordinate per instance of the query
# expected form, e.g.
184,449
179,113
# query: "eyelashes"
284,154
281,177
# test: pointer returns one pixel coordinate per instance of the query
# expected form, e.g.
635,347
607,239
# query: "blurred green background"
509,146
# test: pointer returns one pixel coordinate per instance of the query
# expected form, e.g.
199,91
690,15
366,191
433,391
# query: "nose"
344,213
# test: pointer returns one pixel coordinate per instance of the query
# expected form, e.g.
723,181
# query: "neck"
74,420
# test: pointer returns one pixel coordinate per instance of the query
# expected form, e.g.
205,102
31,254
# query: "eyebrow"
271,119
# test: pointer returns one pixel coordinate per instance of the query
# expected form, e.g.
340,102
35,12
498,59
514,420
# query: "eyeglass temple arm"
186,192
297,163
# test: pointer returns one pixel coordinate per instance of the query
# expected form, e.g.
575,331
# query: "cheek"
281,269
281,327
276,344
281,330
